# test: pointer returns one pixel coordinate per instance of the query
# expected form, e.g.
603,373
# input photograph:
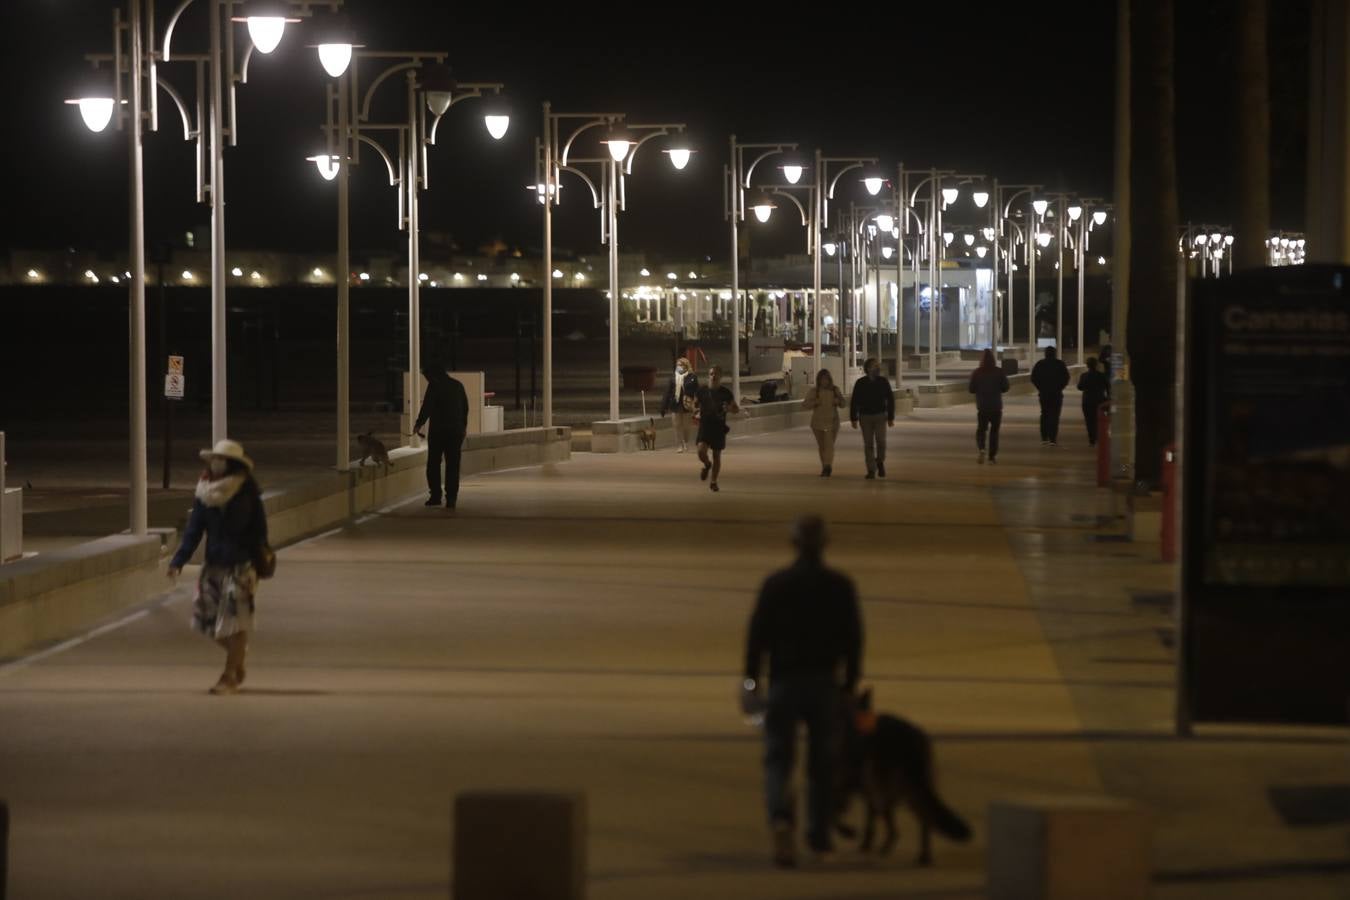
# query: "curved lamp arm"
388,163
567,145
662,132
182,107
840,174
168,32
795,202
763,156
595,193
392,70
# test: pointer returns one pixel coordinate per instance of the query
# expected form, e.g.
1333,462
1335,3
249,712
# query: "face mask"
217,467
681,369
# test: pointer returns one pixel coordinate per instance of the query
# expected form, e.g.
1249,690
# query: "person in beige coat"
824,400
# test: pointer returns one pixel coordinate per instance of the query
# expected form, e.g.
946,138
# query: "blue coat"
235,532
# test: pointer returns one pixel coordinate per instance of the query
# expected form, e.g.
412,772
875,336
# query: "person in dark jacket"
1096,389
873,404
988,384
446,406
228,511
681,400
807,622
1051,377
715,402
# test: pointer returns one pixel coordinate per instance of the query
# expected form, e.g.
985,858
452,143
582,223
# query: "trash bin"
638,378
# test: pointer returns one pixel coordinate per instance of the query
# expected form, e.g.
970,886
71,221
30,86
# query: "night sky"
1022,91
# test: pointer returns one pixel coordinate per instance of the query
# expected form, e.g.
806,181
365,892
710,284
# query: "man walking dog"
808,623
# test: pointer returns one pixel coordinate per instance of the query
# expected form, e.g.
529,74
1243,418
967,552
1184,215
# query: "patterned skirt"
224,604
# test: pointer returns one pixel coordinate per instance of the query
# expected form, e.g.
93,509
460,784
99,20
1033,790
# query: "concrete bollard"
1067,848
526,845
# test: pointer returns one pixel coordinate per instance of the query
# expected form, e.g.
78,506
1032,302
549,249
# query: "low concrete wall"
11,524
53,596
919,363
56,595
329,500
956,393
622,435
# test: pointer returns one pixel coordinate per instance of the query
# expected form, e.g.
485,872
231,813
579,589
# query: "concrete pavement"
579,626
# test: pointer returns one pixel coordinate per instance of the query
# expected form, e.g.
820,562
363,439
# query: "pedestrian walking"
873,405
681,400
824,400
1096,389
807,621
228,511
1050,377
446,406
988,384
715,402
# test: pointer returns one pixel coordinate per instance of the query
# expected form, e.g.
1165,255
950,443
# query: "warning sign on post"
175,365
173,384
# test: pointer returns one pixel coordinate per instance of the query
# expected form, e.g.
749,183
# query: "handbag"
266,562
689,403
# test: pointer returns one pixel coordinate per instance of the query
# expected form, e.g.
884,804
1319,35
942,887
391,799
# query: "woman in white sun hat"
228,509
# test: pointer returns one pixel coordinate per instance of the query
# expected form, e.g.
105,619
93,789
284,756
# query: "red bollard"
1104,445
1168,537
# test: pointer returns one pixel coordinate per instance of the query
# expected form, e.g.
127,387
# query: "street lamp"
553,158
736,176
429,88
221,72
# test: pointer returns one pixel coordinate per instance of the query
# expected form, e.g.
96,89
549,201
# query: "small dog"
372,448
890,761
647,436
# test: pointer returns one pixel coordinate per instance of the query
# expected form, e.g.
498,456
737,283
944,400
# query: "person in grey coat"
988,384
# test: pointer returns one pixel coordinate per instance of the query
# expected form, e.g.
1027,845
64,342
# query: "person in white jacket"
824,400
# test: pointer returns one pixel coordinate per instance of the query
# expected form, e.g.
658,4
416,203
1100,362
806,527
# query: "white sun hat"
228,450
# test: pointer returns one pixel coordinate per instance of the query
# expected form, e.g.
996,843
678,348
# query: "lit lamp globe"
266,21
763,207
885,222
335,43
1040,206
680,152
618,141
873,180
497,116
981,199
438,87
1099,217
327,164
1075,212
95,110
949,195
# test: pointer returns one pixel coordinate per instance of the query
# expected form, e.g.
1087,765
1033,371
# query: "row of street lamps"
914,221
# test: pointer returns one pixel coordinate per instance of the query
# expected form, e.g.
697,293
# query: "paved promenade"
579,627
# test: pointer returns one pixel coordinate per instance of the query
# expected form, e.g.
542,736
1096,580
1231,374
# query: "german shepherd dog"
890,761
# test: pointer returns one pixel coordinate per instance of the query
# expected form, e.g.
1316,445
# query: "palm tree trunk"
1253,149
1152,332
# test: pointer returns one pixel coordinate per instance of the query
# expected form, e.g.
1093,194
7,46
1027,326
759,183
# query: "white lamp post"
553,158
736,176
430,88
